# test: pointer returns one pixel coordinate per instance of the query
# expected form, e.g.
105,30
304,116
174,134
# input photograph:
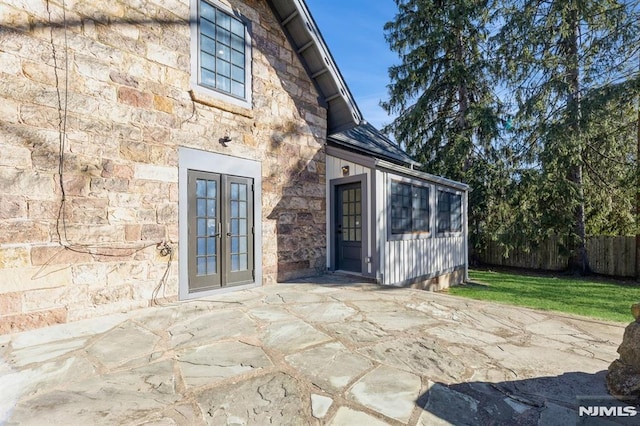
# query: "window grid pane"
222,43
401,205
420,209
449,212
410,210
456,213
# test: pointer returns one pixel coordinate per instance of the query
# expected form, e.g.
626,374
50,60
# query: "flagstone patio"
328,350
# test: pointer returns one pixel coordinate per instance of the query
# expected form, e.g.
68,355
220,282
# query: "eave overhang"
307,41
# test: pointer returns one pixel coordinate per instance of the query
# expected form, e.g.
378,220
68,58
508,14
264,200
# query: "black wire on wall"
165,249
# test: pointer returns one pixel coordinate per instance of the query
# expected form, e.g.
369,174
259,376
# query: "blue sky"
353,30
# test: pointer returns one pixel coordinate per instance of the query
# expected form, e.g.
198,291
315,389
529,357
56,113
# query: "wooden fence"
614,256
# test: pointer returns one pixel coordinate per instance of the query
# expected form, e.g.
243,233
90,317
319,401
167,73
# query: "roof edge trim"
382,164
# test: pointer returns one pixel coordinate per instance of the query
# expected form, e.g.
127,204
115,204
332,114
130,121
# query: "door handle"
217,234
229,234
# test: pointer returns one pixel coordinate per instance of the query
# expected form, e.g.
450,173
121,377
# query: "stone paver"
348,417
320,405
388,391
331,367
275,398
328,350
207,365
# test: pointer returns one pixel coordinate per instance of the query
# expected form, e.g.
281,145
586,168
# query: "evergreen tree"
565,62
442,94
441,91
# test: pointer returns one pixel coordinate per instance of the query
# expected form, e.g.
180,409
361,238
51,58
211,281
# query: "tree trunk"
579,260
638,194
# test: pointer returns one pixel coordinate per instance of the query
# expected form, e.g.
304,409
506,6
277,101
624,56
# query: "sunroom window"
409,208
449,212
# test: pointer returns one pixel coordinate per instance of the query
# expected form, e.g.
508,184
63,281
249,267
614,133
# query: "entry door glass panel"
220,231
349,227
351,215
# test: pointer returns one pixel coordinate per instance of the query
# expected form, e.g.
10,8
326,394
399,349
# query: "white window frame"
196,86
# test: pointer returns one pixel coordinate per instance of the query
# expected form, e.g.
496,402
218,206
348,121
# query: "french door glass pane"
201,186
202,266
211,264
212,189
211,227
206,220
211,247
211,207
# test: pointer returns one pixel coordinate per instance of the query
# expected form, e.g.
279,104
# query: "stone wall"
111,82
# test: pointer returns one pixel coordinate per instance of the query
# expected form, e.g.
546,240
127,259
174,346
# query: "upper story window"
409,208
221,53
449,212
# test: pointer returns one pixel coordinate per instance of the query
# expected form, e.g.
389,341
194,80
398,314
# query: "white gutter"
383,164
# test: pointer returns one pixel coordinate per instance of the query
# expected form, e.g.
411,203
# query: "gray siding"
400,259
406,260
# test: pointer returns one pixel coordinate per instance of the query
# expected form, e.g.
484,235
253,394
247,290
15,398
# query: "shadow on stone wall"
536,401
297,177
300,221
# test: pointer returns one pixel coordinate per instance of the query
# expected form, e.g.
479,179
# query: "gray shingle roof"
365,138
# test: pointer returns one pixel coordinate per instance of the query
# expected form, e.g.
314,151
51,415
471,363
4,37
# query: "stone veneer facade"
129,107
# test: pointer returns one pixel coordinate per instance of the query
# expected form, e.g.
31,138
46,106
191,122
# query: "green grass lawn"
595,298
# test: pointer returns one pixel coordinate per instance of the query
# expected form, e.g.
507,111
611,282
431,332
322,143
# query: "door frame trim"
194,159
362,178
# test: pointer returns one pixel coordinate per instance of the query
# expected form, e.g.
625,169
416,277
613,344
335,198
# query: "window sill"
203,98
